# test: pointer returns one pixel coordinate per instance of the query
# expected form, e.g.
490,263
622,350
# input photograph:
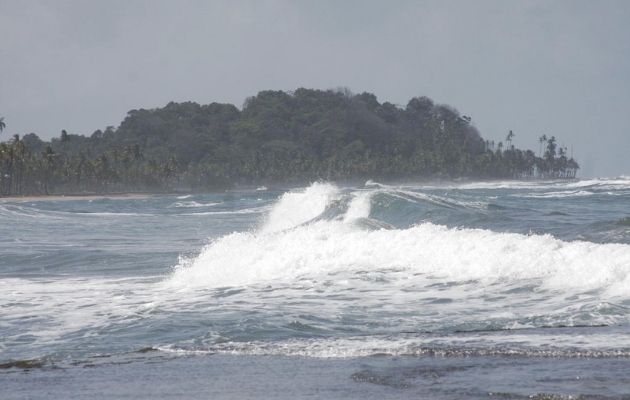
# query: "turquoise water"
359,288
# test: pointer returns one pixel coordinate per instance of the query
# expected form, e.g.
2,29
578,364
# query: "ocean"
501,289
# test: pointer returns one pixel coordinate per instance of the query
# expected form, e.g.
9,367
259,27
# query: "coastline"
237,188
69,197
220,376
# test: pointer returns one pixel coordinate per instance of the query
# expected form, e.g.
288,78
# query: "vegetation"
277,137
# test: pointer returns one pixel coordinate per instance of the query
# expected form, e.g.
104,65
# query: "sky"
535,67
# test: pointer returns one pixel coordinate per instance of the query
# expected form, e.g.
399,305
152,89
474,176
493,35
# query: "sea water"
501,289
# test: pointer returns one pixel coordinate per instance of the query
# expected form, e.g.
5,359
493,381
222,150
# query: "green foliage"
277,137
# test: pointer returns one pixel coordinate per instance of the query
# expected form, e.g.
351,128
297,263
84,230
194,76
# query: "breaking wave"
330,271
314,234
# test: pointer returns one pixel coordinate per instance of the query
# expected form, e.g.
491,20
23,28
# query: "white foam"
297,207
394,270
253,210
622,182
435,199
535,344
192,204
112,214
371,184
359,207
325,247
616,183
33,212
556,195
57,307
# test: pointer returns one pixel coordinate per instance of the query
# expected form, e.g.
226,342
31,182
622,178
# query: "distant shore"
60,197
277,185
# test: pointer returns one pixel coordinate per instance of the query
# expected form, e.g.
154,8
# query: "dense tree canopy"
278,137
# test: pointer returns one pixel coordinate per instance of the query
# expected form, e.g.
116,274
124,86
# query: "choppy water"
536,271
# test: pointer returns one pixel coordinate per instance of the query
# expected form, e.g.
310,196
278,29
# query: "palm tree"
48,159
5,151
541,140
550,153
2,124
550,156
509,138
19,151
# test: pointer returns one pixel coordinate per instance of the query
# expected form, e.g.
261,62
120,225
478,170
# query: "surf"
301,238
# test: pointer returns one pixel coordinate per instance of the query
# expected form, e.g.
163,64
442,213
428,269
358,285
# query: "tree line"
277,137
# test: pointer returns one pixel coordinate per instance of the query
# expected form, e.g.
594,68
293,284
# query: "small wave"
255,210
436,200
192,204
371,184
413,194
494,185
601,183
31,212
28,212
622,182
395,347
556,195
112,214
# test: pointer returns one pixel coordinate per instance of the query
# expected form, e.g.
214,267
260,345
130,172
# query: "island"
277,137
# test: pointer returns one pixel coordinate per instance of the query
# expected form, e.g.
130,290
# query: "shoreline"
145,195
69,197
220,376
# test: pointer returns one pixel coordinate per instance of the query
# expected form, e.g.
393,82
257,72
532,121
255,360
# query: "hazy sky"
555,67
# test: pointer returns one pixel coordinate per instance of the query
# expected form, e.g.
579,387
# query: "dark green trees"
284,137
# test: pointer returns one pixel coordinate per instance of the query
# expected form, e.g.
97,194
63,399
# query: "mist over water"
531,269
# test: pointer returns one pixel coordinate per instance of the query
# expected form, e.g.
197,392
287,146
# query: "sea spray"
324,247
297,207
359,207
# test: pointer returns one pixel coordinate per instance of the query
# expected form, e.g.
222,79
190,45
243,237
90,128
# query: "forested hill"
278,137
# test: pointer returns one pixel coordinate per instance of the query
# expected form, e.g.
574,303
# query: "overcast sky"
536,67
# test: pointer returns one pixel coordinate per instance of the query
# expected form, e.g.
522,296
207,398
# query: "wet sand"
156,376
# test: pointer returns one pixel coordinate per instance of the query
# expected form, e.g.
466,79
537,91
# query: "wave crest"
295,244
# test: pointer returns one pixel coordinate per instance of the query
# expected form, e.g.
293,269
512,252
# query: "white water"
556,195
486,343
192,204
359,207
313,255
287,248
297,207
326,247
622,182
